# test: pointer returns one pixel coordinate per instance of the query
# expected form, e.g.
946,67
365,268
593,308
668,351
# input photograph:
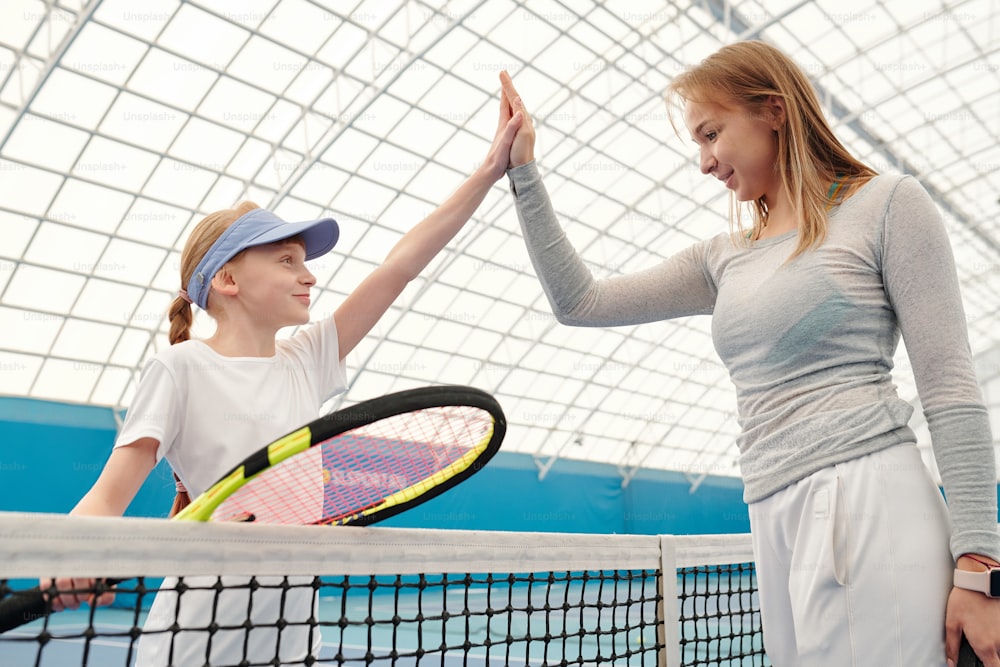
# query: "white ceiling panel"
122,124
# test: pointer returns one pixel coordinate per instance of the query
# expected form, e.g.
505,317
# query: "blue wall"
51,453
583,497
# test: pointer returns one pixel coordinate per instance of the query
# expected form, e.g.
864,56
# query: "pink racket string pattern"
338,478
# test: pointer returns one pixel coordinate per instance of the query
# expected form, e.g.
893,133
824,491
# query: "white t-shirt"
209,412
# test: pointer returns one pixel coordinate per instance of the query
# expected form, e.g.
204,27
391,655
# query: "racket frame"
347,419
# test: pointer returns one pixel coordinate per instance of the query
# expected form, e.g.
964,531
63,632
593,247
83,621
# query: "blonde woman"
855,548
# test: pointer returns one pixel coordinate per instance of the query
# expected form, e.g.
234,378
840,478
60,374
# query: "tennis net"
243,594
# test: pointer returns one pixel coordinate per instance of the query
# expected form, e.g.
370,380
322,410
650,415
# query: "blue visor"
258,227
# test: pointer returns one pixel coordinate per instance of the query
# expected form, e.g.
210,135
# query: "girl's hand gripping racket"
354,466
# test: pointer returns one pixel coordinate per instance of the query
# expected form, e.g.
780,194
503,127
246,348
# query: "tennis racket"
354,466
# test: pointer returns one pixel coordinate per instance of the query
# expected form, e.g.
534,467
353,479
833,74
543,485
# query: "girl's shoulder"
187,355
179,351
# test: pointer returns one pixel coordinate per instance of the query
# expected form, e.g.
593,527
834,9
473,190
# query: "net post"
669,612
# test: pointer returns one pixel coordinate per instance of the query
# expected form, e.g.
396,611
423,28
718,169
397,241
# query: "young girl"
207,404
854,546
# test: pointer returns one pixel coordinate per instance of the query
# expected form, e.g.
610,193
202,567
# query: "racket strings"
399,457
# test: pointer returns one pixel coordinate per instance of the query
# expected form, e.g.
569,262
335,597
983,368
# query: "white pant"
198,607
853,565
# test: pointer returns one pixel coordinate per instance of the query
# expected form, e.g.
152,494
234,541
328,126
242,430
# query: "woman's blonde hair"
204,234
810,157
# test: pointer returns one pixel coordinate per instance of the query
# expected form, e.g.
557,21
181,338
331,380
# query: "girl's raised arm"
365,305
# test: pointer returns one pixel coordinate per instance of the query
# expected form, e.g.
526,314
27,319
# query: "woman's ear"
776,106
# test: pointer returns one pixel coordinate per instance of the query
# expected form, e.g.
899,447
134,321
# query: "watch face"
995,583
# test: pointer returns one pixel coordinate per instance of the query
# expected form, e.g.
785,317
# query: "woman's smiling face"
736,146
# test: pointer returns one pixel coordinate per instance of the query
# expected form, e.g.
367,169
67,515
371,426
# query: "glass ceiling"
123,123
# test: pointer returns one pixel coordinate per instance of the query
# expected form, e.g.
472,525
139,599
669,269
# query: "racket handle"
966,656
22,607
28,605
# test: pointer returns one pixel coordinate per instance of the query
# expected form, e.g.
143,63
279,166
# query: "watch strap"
986,582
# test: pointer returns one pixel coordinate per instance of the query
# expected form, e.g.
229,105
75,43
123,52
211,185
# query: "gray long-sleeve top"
809,343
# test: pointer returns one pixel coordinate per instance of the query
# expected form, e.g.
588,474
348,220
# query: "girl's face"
274,283
738,147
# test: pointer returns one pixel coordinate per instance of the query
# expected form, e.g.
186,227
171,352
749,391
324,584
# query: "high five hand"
498,158
522,150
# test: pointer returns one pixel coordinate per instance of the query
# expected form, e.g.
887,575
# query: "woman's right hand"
522,150
74,591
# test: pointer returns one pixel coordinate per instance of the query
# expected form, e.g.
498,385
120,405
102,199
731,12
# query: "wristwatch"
987,583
